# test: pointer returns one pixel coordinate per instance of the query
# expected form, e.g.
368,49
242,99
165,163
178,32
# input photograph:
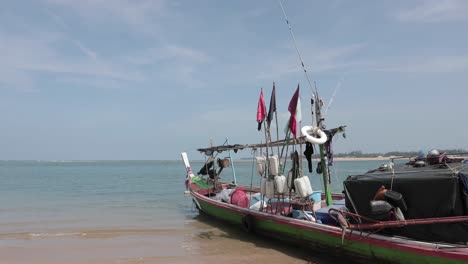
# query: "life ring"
306,132
248,223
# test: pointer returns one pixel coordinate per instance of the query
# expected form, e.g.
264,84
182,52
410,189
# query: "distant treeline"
360,154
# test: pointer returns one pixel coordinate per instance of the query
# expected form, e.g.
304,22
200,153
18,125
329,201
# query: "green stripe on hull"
318,240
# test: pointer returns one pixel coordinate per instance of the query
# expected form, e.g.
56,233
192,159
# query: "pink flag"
261,110
292,109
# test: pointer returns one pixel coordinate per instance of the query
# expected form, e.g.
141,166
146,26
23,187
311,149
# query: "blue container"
316,196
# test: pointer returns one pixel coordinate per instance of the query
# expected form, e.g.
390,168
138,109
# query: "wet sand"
201,240
219,242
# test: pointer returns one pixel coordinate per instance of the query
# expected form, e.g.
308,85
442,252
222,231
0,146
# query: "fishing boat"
413,212
416,212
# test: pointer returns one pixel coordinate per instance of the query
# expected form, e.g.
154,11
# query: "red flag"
292,109
261,111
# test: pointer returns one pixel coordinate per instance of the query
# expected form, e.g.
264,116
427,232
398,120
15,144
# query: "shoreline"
360,159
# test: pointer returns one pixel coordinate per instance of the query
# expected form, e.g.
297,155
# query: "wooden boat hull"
361,246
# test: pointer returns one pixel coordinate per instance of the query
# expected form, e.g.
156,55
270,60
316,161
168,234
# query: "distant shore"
360,158
337,159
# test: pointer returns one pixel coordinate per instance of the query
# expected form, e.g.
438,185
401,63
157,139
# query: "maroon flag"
292,109
272,106
261,111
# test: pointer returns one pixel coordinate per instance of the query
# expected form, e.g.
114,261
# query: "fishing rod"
297,49
319,117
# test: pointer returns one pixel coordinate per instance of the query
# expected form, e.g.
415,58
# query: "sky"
125,80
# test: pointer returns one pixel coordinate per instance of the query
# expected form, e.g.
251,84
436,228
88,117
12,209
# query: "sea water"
130,212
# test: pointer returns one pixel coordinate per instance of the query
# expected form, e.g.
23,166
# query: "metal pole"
323,158
232,164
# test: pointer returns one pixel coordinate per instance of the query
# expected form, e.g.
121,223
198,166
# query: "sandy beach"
201,240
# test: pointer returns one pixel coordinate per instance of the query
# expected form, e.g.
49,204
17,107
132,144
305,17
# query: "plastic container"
316,196
303,187
280,184
239,198
270,189
263,186
308,185
261,162
273,162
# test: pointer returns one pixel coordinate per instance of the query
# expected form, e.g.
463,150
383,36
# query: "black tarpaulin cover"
429,192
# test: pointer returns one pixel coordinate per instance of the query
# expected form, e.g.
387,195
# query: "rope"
373,224
456,170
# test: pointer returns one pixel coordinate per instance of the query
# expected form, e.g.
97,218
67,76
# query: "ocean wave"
56,234
92,233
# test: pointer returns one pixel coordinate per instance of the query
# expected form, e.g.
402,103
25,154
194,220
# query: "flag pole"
267,165
269,117
287,146
261,116
299,116
269,137
276,120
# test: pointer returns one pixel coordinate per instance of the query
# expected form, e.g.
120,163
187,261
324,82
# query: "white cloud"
435,11
37,48
22,55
